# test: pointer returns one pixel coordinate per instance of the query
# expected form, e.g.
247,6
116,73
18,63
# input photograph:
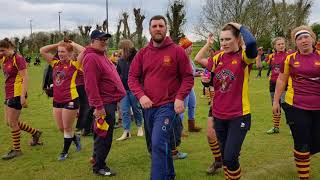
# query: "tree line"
265,18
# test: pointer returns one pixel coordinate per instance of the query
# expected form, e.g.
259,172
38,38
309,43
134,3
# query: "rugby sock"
276,120
234,175
74,139
225,170
67,142
16,139
302,160
25,127
215,149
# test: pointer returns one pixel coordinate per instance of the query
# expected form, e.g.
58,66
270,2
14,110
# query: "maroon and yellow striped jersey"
13,80
275,60
231,84
64,80
304,80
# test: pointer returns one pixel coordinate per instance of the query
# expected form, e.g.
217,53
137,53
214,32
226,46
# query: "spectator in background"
129,101
190,100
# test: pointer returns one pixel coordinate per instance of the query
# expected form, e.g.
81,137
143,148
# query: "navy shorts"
71,105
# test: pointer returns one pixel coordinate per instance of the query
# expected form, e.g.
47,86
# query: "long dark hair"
6,43
128,50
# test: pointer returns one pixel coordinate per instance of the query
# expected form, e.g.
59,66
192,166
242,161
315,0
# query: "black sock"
74,139
67,143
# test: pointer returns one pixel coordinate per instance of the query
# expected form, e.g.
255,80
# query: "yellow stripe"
301,153
234,177
303,163
2,60
17,86
53,62
304,175
216,151
246,59
245,90
304,169
236,171
215,60
287,63
73,89
290,92
76,64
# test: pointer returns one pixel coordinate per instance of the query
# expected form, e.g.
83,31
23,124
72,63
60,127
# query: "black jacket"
123,68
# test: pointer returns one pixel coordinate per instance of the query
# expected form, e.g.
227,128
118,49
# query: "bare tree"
139,26
288,16
126,30
105,25
176,16
84,32
265,18
118,33
218,12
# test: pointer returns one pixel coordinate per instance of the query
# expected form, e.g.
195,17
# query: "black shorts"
305,128
272,86
13,103
71,105
210,112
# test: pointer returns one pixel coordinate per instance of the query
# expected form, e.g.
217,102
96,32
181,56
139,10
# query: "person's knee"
13,124
302,147
232,163
67,129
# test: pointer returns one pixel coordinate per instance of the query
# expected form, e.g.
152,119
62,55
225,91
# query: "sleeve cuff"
99,107
139,95
180,97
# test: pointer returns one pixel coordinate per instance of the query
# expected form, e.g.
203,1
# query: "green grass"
262,157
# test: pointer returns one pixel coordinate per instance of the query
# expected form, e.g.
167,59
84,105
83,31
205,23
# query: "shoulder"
90,57
218,55
19,58
177,48
55,62
291,56
142,51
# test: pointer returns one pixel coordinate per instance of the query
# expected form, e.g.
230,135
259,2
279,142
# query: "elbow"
252,51
197,59
42,51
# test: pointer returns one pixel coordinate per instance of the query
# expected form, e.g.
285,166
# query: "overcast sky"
16,14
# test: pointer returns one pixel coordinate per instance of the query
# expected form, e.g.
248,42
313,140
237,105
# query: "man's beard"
158,38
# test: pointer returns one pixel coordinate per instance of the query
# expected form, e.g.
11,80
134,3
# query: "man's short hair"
158,17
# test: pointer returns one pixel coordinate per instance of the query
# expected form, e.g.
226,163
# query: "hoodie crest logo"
167,61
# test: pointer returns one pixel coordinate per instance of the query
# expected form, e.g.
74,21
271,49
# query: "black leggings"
84,119
231,134
305,128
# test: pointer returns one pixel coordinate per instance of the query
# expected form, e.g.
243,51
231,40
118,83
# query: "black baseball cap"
96,34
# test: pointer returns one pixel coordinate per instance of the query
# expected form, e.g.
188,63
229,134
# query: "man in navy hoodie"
161,77
104,89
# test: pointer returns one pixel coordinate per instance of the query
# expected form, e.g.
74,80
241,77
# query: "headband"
301,32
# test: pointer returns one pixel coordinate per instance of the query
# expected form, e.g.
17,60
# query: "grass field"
263,156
